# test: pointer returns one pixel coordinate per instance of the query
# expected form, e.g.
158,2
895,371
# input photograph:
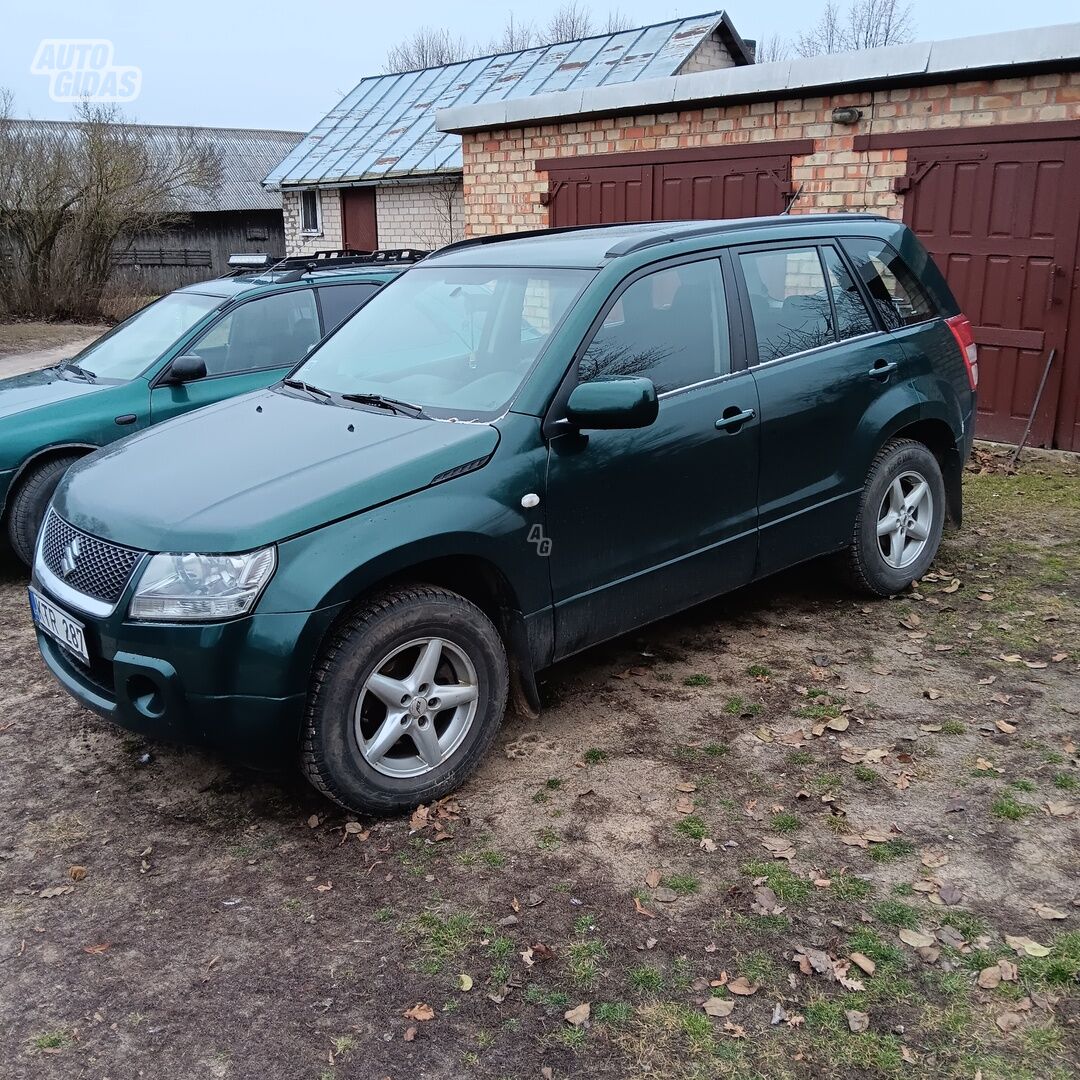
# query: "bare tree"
515,36
771,48
867,24
71,195
427,47
574,20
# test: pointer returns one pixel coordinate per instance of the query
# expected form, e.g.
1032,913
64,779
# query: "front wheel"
31,500
901,518
405,700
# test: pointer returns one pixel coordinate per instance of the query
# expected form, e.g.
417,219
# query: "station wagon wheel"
416,707
905,519
900,519
405,699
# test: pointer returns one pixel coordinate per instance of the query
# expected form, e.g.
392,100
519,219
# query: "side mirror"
614,403
187,368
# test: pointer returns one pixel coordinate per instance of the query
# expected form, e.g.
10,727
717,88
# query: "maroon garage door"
1001,219
711,182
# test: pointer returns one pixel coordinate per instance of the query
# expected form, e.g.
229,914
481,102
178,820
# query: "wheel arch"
39,457
937,435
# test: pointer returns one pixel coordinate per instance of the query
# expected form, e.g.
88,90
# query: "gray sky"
283,64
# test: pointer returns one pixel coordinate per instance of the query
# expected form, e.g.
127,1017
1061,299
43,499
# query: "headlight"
202,587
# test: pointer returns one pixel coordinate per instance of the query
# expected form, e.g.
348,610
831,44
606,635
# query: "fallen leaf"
665,895
779,847
420,1011
1008,1020
410,1034
950,894
1059,656
989,977
736,1031
686,787
857,1021
97,950
56,890
1024,946
578,1016
652,878
934,859
313,821
77,873
742,986
1005,727
916,938
854,841
707,844
931,693
683,805
716,1006
465,982
838,723
325,887
1009,971
1044,911
641,909
1059,809
952,586
864,963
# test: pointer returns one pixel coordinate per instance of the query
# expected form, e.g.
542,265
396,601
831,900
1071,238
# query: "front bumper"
238,687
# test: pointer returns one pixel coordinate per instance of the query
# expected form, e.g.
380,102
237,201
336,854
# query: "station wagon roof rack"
294,267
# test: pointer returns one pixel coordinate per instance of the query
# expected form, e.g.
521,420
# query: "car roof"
236,285
593,246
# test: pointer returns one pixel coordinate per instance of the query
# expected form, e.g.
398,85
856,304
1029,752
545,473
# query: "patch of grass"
611,1012
758,671
51,1040
888,957
1006,806
495,859
848,887
786,823
441,939
865,775
550,999
716,749
818,710
571,1037
902,888
1065,782
683,884
894,913
384,914
697,680
763,924
970,926
693,827
1023,785
343,1044
1060,968
891,850
759,967
800,758
547,839
646,979
553,783
584,924
737,706
789,888
953,727
583,960
500,947
594,756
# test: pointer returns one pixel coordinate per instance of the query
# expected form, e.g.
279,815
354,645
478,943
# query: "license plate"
57,624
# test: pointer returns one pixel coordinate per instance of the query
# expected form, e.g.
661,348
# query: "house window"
310,216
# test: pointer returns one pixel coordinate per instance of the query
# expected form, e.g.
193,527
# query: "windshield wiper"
66,366
393,404
316,392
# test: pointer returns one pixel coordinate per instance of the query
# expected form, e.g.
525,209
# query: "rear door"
820,360
251,346
649,521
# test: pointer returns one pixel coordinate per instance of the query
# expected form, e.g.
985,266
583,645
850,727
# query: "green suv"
522,447
192,347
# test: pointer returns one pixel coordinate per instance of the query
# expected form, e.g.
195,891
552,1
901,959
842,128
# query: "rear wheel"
900,521
27,508
405,701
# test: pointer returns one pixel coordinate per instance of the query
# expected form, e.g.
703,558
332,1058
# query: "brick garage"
974,143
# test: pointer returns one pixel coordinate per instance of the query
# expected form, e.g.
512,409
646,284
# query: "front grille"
87,564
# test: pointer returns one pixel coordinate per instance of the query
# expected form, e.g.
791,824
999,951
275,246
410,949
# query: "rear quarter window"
895,292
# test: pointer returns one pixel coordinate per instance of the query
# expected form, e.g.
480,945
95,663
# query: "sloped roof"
245,154
385,128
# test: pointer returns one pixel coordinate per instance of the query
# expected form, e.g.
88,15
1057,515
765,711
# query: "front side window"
894,290
137,342
789,301
458,341
309,212
852,318
271,332
669,326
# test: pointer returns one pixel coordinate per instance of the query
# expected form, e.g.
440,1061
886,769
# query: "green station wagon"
522,447
195,346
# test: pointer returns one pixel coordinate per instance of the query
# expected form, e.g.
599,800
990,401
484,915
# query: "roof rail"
495,238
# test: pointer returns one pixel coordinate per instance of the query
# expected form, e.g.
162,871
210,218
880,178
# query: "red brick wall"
503,187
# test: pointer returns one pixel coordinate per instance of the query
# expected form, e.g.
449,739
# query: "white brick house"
376,172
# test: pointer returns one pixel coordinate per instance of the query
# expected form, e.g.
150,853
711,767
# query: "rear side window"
340,301
789,301
852,317
669,326
894,290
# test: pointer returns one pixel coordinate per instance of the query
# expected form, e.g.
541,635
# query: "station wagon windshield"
456,341
137,342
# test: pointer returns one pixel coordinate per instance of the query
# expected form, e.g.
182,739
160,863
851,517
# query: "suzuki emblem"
71,553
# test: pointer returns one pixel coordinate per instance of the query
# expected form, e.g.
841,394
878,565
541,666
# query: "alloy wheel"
905,519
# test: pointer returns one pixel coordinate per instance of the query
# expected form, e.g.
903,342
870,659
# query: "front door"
646,522
358,214
250,347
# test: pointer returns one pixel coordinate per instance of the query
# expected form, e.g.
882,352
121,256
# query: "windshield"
137,342
456,341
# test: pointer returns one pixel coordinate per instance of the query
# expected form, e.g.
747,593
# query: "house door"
358,215
1001,220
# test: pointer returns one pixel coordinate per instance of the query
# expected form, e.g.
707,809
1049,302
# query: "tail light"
961,329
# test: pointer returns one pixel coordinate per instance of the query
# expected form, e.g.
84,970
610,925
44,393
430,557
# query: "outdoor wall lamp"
847,114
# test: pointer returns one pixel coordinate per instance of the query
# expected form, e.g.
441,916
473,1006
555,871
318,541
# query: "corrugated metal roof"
918,61
386,129
246,155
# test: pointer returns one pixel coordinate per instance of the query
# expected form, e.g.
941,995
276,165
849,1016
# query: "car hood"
21,393
256,469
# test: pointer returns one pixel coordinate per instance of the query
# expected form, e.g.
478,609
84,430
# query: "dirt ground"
27,346
792,833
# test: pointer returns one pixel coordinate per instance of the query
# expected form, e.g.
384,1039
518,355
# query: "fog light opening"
145,696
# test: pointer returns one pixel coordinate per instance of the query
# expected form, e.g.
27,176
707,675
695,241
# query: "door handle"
734,418
882,369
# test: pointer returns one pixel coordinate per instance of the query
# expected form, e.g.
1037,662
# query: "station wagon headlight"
201,587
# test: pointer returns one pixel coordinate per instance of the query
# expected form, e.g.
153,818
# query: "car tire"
374,739
900,520
26,510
